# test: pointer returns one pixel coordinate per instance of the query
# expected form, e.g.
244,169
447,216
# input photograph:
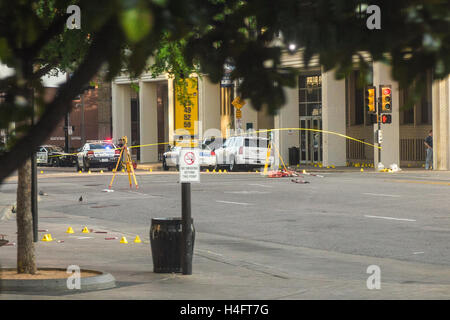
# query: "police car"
49,155
97,154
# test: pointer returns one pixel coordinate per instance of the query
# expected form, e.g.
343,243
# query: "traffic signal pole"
378,133
384,107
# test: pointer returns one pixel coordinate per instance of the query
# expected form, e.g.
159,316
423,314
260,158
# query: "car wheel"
55,162
233,166
217,166
165,167
85,167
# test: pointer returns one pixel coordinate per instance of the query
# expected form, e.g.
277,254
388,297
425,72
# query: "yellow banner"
186,106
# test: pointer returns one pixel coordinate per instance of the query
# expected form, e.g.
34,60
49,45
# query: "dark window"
262,143
408,114
134,110
425,108
101,146
359,100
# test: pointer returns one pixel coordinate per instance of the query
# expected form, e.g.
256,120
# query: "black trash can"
166,241
294,156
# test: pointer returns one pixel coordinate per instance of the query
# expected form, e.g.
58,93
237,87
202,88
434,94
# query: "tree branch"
44,70
55,28
102,47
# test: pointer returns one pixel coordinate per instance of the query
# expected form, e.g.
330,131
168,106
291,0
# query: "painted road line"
247,192
443,183
381,195
232,202
259,185
389,218
418,252
139,193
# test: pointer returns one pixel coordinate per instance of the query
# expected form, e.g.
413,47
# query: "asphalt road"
398,220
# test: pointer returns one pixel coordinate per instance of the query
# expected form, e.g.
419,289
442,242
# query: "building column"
121,111
286,118
226,121
441,124
333,120
148,122
390,152
208,108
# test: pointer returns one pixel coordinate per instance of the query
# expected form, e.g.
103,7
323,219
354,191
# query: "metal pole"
66,128
187,243
379,128
34,204
66,133
83,137
379,144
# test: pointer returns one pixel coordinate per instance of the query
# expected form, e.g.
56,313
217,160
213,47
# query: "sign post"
238,103
189,172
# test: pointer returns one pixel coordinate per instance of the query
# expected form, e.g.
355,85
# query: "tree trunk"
25,247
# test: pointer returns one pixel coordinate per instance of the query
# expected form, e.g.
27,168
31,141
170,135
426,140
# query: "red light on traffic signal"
386,99
386,118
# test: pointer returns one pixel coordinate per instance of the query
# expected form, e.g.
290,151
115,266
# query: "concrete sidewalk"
243,270
155,166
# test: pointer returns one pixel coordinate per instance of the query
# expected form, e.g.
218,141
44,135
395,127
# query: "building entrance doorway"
310,140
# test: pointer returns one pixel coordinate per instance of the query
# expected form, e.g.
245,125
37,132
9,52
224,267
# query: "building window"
425,105
356,110
420,113
359,104
310,95
426,109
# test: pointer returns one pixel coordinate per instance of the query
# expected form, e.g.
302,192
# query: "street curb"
100,282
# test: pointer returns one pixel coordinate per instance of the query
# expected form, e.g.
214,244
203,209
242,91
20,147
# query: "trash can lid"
169,220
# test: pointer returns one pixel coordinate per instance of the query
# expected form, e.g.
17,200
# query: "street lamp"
292,47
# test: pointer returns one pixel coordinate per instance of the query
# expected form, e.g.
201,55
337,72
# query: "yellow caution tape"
244,134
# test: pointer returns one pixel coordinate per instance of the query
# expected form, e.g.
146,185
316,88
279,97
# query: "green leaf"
137,23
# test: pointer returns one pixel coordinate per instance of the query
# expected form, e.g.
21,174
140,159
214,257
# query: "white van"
243,151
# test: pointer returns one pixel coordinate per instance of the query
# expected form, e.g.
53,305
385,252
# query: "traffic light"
370,99
386,98
373,118
386,118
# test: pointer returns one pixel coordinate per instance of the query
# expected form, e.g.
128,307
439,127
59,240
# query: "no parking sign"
189,163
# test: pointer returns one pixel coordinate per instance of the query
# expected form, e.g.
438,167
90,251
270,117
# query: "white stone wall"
333,120
441,124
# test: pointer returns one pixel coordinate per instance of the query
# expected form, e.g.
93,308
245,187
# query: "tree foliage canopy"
184,34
